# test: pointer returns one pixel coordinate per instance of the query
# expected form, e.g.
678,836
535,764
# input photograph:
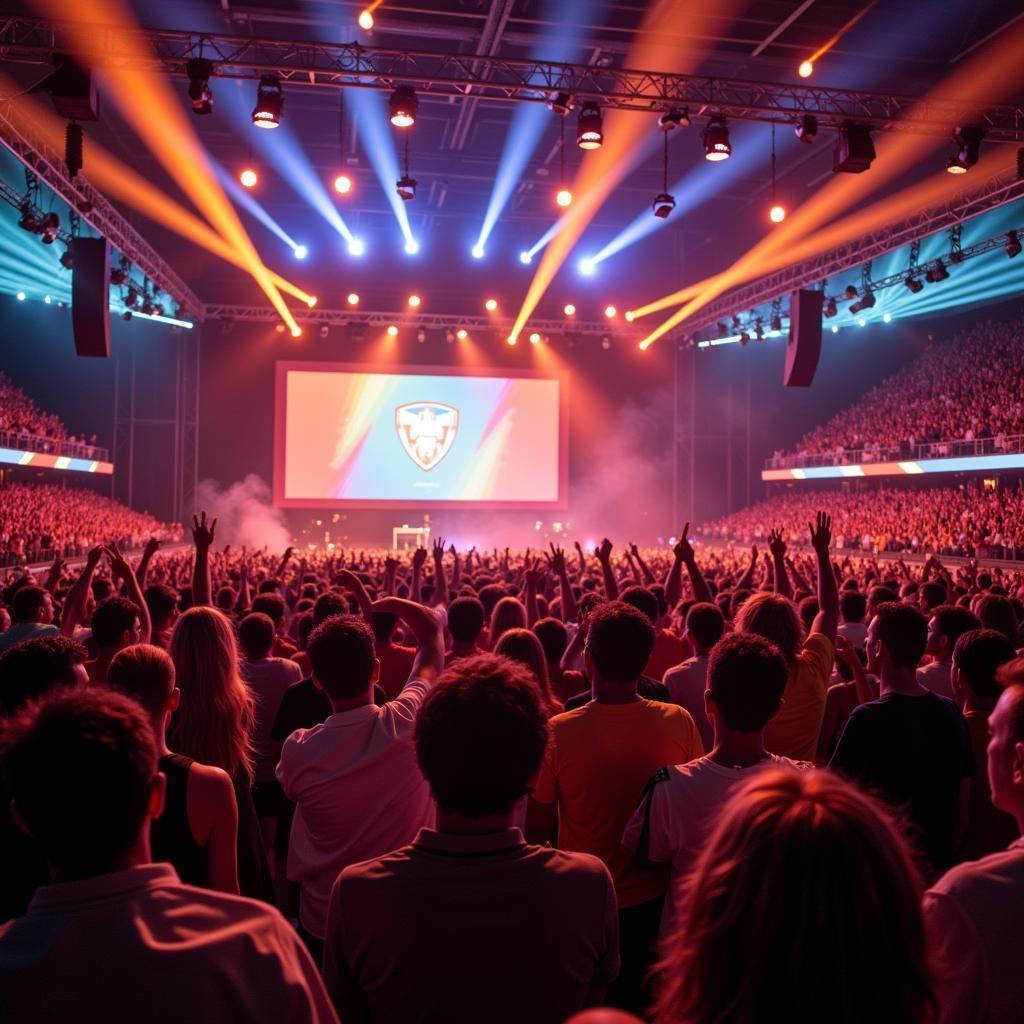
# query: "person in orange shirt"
793,732
600,758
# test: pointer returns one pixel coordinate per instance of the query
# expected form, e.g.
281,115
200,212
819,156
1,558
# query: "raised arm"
152,545
848,656
440,577
604,556
684,554
559,567
826,621
425,625
350,581
55,573
777,547
283,563
202,537
582,557
746,581
244,600
121,569
644,567
796,575
78,595
419,556
456,569
532,579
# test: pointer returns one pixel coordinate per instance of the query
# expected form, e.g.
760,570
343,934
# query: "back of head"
706,624
509,613
774,617
342,654
746,676
807,610
27,603
931,594
642,599
952,622
880,595
490,594
272,605
79,765
35,667
256,635
853,605
978,655
383,625
803,905
162,602
146,674
114,622
553,637
620,641
331,603
903,630
522,646
998,613
481,735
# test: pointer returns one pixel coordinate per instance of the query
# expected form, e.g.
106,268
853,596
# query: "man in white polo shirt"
357,789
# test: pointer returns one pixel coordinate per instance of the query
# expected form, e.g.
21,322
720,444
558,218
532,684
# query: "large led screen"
346,437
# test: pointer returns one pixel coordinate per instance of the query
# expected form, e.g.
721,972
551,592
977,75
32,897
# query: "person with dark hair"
853,606
273,604
115,625
466,618
198,829
31,617
973,913
668,649
997,612
930,595
687,682
977,658
599,760
945,627
554,639
124,937
910,746
516,932
162,602
28,671
395,659
357,791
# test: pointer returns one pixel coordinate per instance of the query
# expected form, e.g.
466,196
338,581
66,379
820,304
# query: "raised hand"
151,548
844,650
119,567
202,534
634,550
419,557
534,575
776,545
821,532
753,552
579,547
557,560
684,549
390,565
604,550
438,547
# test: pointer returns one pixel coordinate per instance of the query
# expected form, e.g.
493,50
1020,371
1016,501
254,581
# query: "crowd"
19,416
966,521
41,521
967,388
493,786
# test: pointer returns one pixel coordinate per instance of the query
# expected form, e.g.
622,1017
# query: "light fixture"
296,331
421,334
403,107
606,343
913,284
491,305
28,221
587,266
1012,244
806,128
414,301
392,330
561,103
199,71
412,246
311,301
406,188
66,260
867,302
563,197
118,276
677,117
449,336
343,184
936,272
716,139
850,291
462,334
269,103
534,338
511,339
356,247
279,328
21,296
721,329
968,146
776,322
610,312
835,328
366,19
777,214
854,150
126,315
478,252
862,322
887,318
324,330
589,133
353,299
301,252
629,316
49,228
525,257
248,177
831,309
806,69
664,203
570,309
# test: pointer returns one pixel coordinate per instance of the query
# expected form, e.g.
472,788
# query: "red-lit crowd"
20,415
457,786
966,520
40,521
969,387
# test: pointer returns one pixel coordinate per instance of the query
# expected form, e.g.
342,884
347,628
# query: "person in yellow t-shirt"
793,732
600,758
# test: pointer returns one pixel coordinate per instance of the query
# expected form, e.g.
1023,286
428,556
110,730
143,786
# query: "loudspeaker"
90,288
804,345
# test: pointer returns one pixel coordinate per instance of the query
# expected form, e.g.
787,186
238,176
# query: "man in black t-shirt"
910,747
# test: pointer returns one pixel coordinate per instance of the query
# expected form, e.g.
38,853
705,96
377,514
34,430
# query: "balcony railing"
52,446
1012,445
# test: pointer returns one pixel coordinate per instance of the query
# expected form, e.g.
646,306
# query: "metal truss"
995,192
406,321
81,197
309,63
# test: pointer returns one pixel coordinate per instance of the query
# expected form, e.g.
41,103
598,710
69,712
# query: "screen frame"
282,367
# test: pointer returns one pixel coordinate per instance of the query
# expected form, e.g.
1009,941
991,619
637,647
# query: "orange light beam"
825,47
146,101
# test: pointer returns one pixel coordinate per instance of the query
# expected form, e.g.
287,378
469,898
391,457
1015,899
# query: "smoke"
245,514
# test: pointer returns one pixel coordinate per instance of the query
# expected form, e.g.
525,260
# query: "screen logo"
426,431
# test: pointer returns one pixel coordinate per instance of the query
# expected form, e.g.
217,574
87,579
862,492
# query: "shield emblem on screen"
426,431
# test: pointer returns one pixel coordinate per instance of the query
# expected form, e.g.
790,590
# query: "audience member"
945,627
687,682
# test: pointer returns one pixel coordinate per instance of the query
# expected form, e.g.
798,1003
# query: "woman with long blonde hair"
803,907
523,646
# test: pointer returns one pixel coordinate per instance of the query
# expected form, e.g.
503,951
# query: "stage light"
392,330
629,316
279,328
570,309
353,299
716,139
324,330
118,276
412,246
677,117
610,312
343,184
663,205
131,296
560,104
955,166
862,322
587,266
366,20
311,301
867,302
491,305
563,197
968,147
462,334
406,188
296,331
356,247
478,252
913,284
835,328
831,309
126,315
525,257
66,260
850,291
300,252
744,339
1012,244
721,329
269,103
606,343
777,214
887,318
806,128
776,322
854,150
511,339
936,272
21,296
589,134
421,334
199,71
534,338
47,299
248,177
414,301
49,228
403,107
449,336
806,69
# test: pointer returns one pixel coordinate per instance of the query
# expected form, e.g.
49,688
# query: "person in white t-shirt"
946,625
746,678
354,779
853,606
687,681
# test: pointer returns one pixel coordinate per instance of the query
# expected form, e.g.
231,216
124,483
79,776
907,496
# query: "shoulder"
377,870
210,782
582,866
817,647
996,871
